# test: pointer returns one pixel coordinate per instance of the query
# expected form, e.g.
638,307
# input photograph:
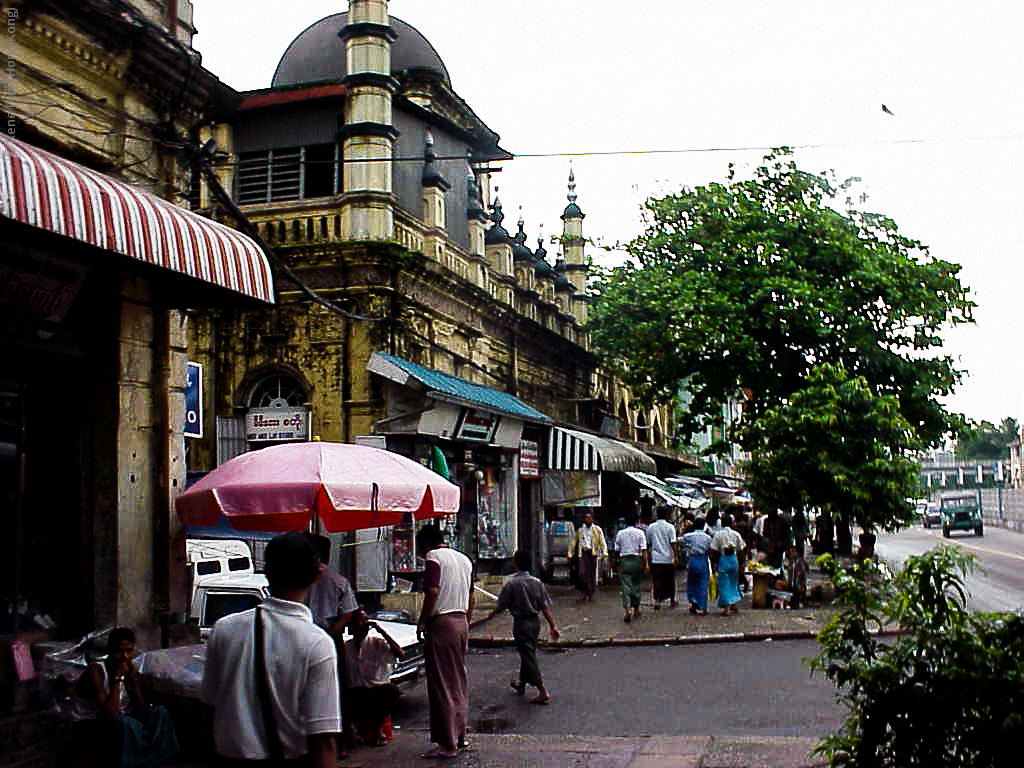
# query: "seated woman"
370,660
113,726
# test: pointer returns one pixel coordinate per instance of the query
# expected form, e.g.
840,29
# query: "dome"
318,53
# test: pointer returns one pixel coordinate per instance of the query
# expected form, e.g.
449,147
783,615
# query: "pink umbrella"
348,486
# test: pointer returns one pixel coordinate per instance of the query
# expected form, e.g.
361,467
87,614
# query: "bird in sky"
887,110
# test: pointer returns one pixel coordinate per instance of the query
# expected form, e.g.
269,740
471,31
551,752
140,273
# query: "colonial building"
95,265
444,335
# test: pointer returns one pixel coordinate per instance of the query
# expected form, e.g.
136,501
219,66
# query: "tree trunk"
844,537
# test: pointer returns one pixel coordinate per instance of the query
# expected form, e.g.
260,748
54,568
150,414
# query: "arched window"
642,431
278,390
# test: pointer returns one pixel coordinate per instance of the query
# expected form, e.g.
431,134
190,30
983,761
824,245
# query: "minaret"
368,133
434,187
572,246
498,245
478,221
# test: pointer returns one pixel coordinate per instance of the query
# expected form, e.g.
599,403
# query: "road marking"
961,543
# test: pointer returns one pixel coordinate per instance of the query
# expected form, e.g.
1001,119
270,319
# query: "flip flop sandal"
438,754
519,688
539,700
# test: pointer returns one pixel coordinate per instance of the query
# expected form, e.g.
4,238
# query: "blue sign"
193,400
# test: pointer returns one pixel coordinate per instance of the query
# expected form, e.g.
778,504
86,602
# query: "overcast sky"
555,76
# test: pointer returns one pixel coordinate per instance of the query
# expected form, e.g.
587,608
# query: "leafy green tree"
852,448
750,284
948,692
986,441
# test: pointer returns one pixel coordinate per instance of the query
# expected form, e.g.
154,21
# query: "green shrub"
947,692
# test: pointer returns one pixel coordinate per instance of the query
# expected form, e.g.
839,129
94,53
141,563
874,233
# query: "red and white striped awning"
46,191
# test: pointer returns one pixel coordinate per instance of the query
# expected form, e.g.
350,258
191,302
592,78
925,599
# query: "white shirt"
630,541
456,580
660,535
587,537
727,537
303,669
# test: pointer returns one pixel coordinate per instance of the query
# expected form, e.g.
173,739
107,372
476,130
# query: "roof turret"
497,234
572,211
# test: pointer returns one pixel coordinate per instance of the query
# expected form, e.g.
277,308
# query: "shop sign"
477,425
193,399
529,459
36,293
264,424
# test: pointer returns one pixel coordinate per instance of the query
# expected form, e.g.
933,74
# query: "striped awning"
46,191
569,449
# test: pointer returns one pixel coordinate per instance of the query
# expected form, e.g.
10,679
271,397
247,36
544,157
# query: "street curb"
490,641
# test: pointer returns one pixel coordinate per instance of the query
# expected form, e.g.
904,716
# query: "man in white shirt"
448,602
631,546
661,537
275,647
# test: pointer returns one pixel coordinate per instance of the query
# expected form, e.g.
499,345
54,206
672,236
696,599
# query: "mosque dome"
318,54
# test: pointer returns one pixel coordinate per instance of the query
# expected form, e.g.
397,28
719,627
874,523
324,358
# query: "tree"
751,284
948,692
987,441
852,448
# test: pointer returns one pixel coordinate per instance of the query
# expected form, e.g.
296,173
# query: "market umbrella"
347,486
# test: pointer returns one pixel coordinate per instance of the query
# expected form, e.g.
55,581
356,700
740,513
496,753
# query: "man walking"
661,538
524,596
631,546
271,674
589,546
332,601
444,623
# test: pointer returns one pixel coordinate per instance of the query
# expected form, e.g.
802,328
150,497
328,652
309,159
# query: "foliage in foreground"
949,692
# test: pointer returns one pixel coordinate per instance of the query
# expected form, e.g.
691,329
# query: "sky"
726,81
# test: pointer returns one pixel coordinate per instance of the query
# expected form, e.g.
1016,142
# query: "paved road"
998,584
744,689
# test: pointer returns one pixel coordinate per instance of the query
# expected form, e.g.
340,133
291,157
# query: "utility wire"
258,162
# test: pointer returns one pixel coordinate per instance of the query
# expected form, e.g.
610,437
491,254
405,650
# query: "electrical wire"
254,162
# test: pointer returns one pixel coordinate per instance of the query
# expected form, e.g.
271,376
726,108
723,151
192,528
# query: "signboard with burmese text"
267,424
529,459
476,425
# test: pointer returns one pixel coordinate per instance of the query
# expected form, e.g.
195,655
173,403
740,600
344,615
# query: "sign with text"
477,425
266,424
529,459
193,400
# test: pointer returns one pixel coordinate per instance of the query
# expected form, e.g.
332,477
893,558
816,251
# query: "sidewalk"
600,622
506,751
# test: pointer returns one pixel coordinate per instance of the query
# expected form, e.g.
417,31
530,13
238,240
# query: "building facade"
442,332
96,263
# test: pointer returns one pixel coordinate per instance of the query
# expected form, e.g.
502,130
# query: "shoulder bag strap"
274,745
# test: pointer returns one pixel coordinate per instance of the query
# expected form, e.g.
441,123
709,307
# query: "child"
795,569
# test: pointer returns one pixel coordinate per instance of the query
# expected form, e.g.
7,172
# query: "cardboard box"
411,602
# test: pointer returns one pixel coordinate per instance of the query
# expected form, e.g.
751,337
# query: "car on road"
222,594
932,515
961,512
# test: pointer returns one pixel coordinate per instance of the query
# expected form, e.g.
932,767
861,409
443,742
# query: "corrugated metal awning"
46,191
674,496
445,386
569,449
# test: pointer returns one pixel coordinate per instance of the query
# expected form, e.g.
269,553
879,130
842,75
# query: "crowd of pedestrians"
288,688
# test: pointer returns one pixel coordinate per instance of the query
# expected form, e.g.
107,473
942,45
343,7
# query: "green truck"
960,512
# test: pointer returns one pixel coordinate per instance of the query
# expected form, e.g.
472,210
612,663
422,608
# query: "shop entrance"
46,550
